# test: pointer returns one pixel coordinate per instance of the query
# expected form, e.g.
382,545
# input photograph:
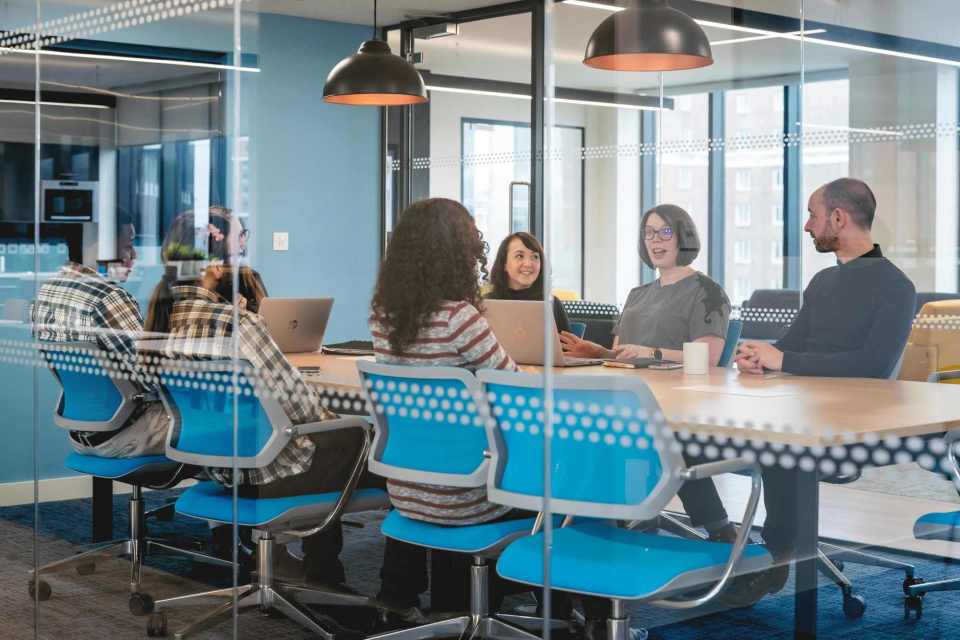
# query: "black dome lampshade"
374,76
649,35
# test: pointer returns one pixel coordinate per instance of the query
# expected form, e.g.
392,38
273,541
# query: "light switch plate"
281,240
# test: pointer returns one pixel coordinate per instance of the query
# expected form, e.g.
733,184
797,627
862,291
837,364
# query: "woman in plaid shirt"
191,312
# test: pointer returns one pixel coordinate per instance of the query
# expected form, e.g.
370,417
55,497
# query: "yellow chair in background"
934,343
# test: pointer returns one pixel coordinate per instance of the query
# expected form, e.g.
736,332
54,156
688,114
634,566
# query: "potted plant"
188,260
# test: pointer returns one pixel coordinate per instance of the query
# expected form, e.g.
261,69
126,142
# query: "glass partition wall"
170,164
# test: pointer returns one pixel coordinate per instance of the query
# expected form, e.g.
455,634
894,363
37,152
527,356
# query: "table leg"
805,565
102,509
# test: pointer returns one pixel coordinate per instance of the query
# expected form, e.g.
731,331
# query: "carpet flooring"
94,607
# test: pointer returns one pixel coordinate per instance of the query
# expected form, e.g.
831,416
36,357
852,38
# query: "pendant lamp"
374,76
649,35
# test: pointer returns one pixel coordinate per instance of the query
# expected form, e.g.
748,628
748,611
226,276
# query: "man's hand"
753,357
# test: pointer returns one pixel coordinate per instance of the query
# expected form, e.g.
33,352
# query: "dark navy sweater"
854,321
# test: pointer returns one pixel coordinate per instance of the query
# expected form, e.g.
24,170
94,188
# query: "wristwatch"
657,355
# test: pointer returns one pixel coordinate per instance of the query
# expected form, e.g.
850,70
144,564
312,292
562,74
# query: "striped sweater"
455,336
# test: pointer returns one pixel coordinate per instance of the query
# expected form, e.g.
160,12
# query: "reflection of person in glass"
682,305
517,274
224,237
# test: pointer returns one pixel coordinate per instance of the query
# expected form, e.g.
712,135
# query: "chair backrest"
923,297
427,424
734,329
220,414
612,453
768,313
94,394
600,319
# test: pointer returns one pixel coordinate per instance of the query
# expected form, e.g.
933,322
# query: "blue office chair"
429,429
937,526
97,396
203,399
734,329
613,458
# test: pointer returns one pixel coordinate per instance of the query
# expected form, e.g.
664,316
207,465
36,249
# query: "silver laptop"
518,325
296,324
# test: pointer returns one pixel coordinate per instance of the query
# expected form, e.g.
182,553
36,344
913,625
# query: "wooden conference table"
809,413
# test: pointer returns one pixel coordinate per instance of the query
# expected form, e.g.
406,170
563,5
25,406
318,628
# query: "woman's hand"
628,351
241,302
579,348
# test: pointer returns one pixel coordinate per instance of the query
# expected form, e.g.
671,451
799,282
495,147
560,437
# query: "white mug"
696,356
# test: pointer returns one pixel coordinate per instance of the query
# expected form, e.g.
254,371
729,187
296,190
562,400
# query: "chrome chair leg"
953,584
152,543
81,558
495,628
859,557
532,622
229,592
832,571
439,629
297,612
208,620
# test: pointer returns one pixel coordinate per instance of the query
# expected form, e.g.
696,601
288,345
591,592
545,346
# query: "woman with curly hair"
426,311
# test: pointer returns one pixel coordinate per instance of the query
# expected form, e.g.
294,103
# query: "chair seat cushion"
120,468
211,501
474,538
596,558
938,526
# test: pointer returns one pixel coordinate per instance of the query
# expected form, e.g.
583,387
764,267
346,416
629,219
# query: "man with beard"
854,322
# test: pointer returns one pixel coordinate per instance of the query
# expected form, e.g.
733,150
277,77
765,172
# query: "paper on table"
756,393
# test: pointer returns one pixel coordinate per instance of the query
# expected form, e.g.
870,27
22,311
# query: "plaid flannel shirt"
202,314
80,305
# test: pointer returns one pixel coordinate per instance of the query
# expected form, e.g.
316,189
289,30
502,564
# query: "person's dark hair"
250,286
161,303
854,197
498,273
435,254
684,229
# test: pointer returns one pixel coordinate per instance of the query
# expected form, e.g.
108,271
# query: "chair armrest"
709,469
325,426
737,552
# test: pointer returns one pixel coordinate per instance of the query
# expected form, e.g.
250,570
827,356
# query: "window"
777,211
741,252
777,178
776,282
684,178
776,251
742,214
743,104
741,290
683,103
743,179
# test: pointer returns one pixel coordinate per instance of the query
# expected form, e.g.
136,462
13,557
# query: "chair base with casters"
156,472
932,526
482,541
269,517
830,562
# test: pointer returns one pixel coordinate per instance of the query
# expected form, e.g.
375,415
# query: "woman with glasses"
682,305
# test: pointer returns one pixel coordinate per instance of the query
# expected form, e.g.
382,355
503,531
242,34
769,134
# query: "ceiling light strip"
520,96
99,56
769,36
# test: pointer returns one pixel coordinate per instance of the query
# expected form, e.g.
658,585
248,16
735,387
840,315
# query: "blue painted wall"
315,175
316,172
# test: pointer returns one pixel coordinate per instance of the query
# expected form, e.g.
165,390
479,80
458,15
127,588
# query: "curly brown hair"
436,253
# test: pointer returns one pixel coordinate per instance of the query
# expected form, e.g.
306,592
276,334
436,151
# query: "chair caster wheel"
140,604
912,604
86,568
854,607
39,590
157,625
909,582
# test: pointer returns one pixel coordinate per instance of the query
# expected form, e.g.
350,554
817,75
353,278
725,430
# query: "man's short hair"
854,197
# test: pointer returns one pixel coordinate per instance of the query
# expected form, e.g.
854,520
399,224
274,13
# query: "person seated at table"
80,305
682,305
192,311
854,322
517,274
426,311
